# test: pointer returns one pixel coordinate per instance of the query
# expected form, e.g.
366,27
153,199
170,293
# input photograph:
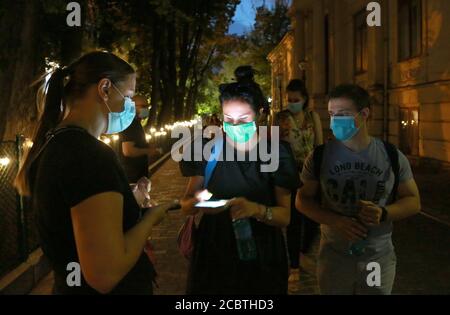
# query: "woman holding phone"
260,198
86,212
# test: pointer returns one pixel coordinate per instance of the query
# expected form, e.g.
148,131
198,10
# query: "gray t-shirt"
347,177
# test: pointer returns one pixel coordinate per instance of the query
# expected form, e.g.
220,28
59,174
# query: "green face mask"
240,133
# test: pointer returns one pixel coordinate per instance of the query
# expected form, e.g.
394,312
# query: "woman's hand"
158,213
188,205
241,208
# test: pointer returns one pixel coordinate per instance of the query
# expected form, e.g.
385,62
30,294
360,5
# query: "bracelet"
261,216
269,214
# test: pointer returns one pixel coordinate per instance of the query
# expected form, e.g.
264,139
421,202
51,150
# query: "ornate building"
404,63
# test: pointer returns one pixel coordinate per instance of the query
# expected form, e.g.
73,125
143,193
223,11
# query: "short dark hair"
359,96
297,85
280,116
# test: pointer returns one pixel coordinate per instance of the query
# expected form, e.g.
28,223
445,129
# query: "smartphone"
175,207
211,203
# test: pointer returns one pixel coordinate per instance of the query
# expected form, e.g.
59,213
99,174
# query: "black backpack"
393,157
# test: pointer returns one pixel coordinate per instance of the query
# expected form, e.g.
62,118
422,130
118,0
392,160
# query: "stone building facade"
404,63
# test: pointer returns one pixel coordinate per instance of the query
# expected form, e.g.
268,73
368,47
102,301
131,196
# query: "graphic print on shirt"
348,182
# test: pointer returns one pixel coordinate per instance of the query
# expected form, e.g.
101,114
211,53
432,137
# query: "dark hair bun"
244,73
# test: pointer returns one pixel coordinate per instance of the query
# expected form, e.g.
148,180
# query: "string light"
27,144
148,136
4,161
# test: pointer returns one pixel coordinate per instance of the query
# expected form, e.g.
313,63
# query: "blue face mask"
343,127
144,113
118,122
295,107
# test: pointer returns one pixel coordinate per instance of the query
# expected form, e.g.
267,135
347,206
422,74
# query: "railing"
18,233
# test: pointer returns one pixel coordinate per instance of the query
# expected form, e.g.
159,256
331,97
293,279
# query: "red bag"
186,236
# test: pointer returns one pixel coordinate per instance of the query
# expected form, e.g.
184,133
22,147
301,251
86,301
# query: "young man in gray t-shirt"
357,208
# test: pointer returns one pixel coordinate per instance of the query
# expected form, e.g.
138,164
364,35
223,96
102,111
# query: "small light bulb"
4,161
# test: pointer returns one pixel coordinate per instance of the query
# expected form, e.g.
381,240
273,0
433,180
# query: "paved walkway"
422,246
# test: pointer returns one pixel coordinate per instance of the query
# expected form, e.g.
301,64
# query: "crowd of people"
354,187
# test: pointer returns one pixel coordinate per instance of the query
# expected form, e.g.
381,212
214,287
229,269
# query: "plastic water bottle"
358,248
244,239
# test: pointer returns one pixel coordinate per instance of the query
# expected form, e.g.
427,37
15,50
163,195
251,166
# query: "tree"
19,63
252,49
173,45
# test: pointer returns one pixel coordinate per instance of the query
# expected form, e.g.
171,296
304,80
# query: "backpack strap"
54,132
393,157
318,158
213,158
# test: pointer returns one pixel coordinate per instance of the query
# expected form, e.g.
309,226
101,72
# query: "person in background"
365,184
212,120
135,150
215,121
301,127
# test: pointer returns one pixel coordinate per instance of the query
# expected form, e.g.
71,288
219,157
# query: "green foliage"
252,49
208,101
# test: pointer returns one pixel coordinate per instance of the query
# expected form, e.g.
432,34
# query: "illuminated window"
360,47
409,131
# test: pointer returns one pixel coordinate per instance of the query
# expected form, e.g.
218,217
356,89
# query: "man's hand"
370,213
153,153
350,228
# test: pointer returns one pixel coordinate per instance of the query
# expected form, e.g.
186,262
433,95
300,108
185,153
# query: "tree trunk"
186,68
20,54
156,57
167,88
72,40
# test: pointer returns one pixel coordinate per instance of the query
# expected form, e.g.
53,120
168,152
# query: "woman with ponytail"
86,212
